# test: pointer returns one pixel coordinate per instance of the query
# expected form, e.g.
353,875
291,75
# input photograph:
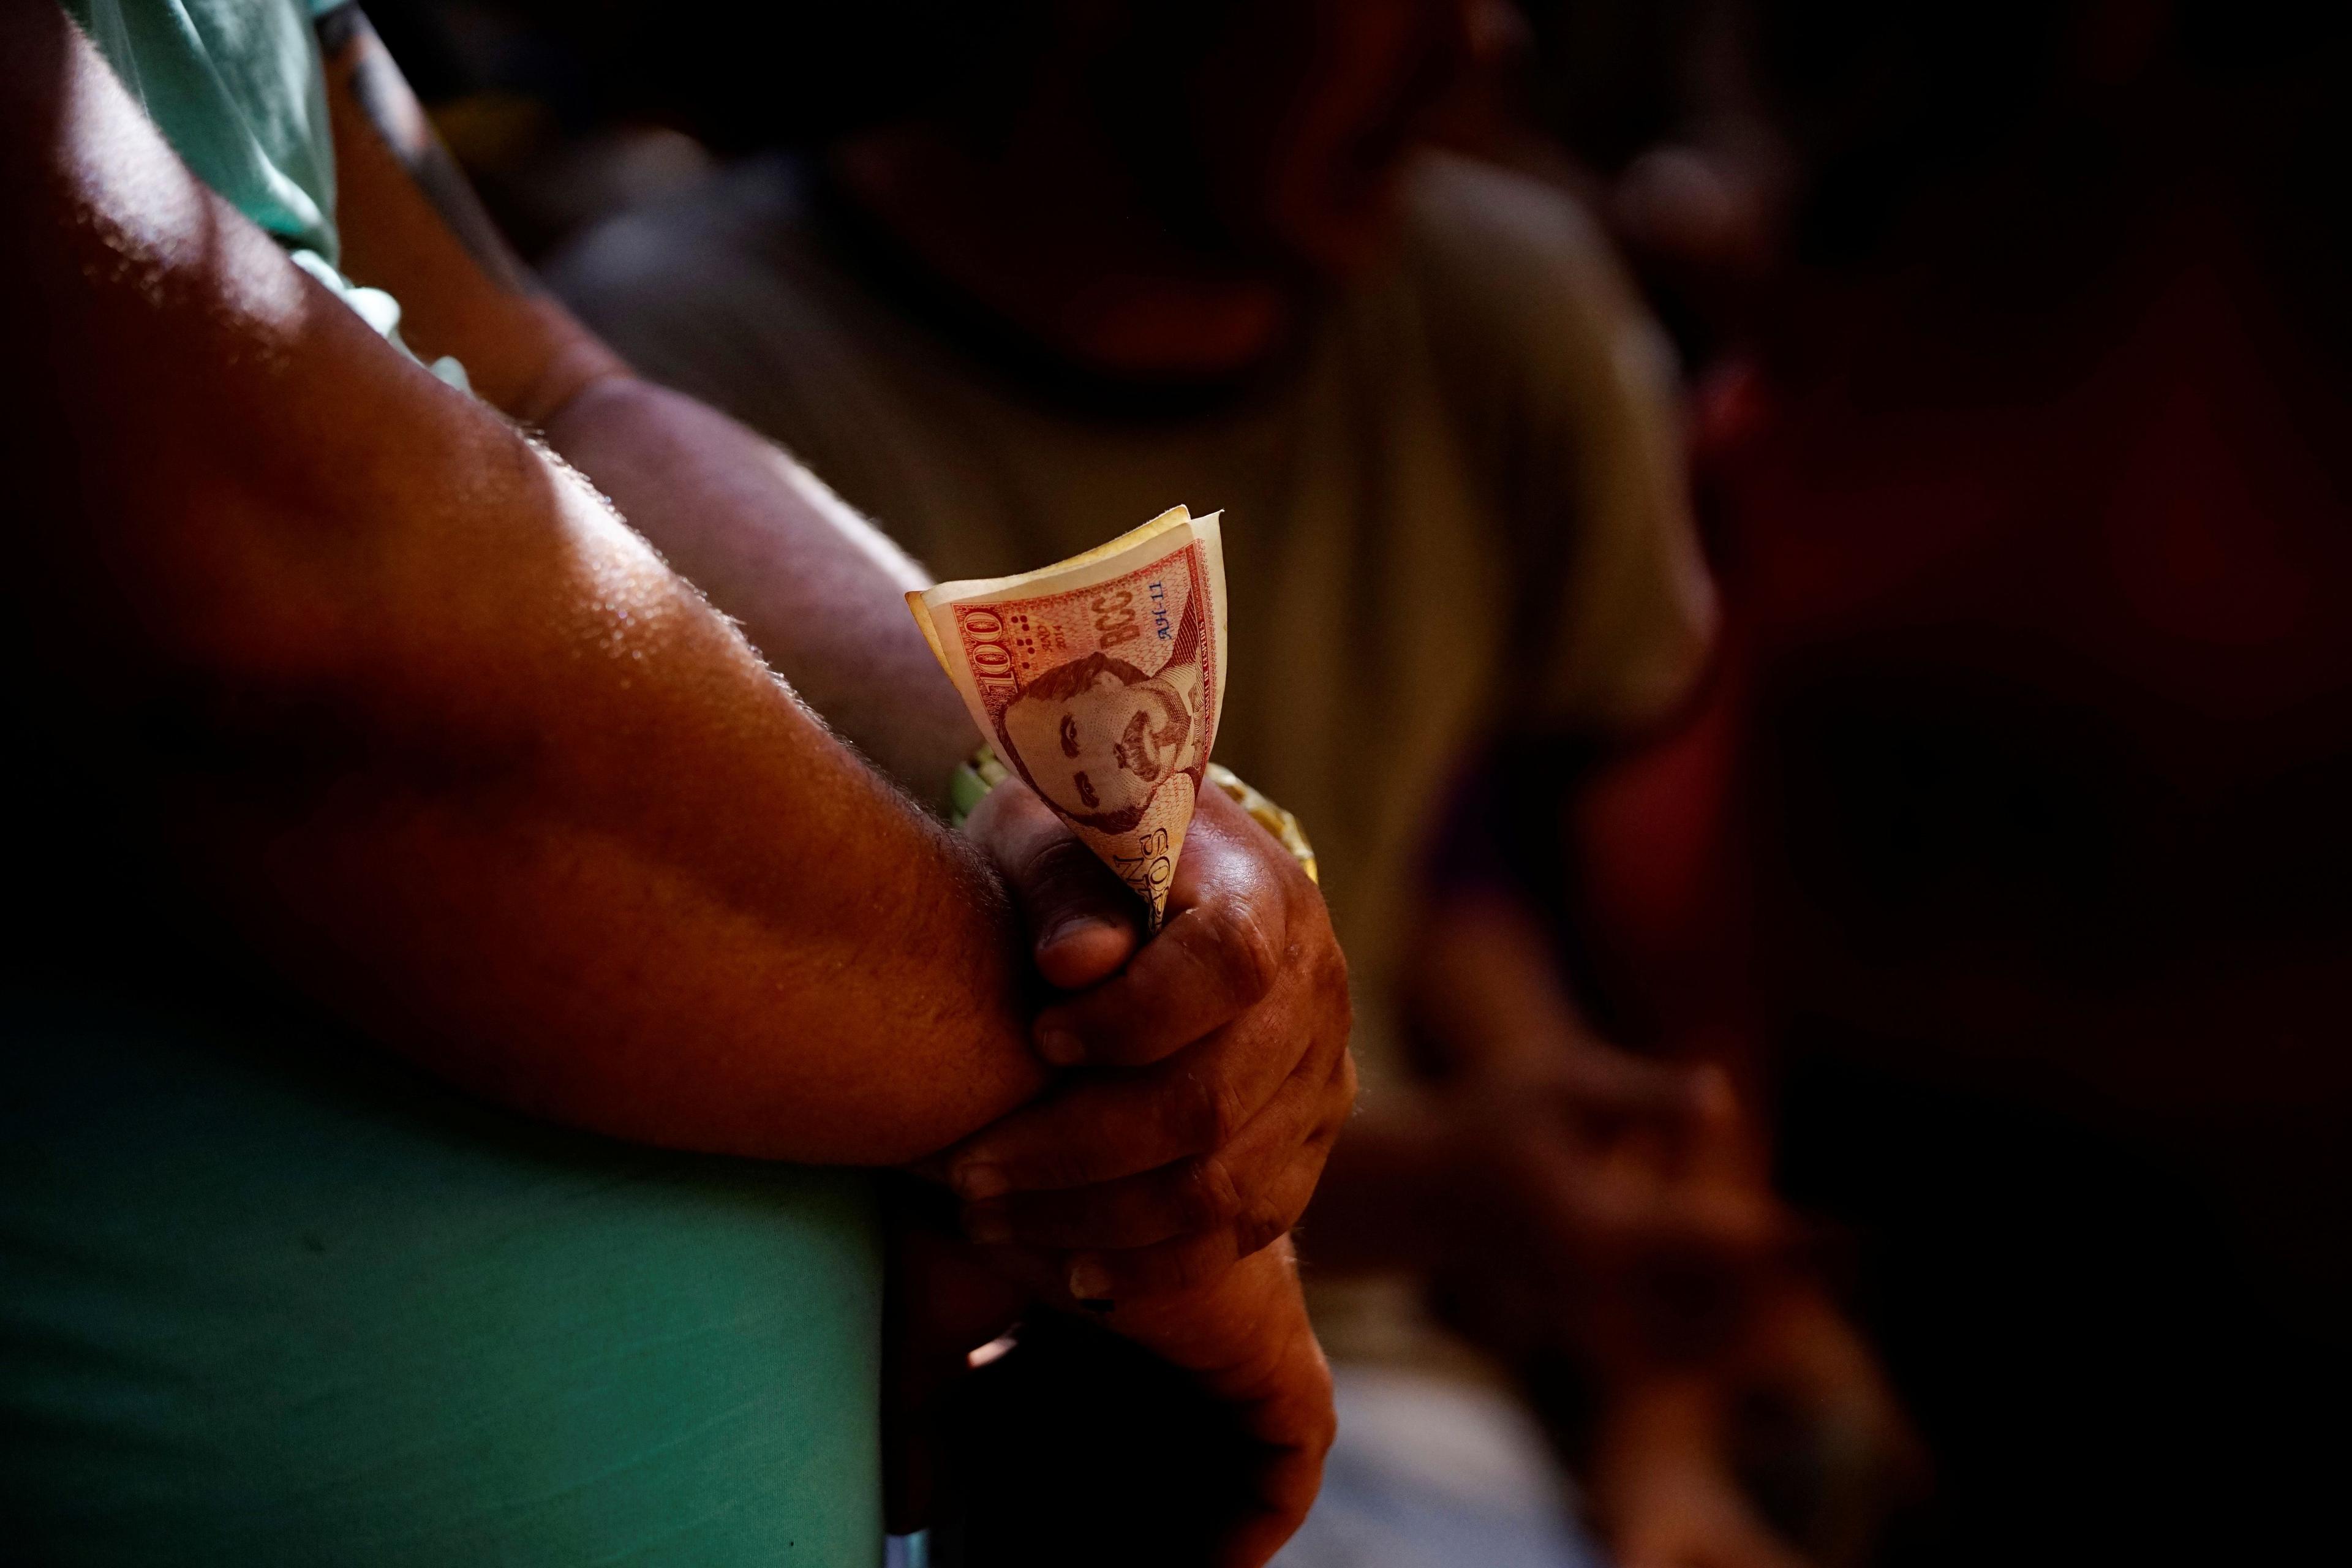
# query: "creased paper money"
1099,681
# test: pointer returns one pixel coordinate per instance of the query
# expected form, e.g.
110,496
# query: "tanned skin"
1237,1014
453,747
429,665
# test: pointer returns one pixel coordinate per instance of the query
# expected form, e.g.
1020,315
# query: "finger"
1222,950
1192,1262
1681,1117
1277,1159
1187,1263
1614,1215
1100,1129
1604,1080
1083,922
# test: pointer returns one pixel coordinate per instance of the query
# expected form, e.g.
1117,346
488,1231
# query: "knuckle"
1255,1229
1335,974
1006,823
1208,1113
1053,862
1330,974
1212,1197
1344,1086
1289,1206
1326,1428
1242,949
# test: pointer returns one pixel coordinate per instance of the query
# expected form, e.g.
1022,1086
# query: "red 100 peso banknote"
1099,680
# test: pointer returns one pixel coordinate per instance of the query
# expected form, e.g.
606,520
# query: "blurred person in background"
1138,253
1651,112
2019,807
434,887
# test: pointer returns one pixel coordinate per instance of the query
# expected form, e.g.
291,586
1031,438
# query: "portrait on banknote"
1098,736
1098,680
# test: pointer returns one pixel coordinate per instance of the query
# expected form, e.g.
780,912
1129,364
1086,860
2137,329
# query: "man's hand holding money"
1208,1074
1205,1076
1200,1015
1207,1070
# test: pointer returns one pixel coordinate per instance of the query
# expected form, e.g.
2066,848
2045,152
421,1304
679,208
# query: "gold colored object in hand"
1268,816
984,771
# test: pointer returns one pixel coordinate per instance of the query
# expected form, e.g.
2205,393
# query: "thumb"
1083,922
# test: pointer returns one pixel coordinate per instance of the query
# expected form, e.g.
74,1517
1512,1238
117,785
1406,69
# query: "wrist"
1237,1320
573,397
559,360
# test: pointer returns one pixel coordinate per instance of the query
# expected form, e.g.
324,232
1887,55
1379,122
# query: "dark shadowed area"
1794,559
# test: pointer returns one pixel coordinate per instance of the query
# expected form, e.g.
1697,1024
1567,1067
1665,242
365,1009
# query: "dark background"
2016,338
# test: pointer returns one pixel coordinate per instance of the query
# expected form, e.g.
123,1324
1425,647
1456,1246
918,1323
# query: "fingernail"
988,1223
1061,1047
1090,1282
1064,932
975,1181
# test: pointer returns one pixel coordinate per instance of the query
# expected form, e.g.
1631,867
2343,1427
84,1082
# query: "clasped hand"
1207,1070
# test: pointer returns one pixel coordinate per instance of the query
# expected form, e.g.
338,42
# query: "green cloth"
269,1297
236,88
293,1304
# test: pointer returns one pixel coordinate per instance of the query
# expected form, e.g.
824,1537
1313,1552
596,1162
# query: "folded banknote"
1099,680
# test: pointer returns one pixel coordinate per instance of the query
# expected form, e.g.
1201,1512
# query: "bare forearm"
1247,1340
814,585
817,589
446,736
